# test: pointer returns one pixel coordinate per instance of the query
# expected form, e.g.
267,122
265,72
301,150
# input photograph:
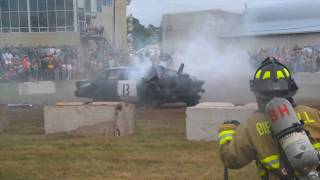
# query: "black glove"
234,122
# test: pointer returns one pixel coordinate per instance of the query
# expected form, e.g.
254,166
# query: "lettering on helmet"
281,109
263,128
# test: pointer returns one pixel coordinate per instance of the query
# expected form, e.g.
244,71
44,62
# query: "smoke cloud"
225,69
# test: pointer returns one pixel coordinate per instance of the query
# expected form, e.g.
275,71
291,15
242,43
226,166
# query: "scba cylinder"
292,137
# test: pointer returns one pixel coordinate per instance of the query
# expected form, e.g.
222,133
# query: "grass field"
158,150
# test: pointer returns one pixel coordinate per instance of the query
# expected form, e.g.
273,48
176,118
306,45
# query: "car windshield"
115,75
120,74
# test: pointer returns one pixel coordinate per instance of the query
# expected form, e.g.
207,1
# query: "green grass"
158,150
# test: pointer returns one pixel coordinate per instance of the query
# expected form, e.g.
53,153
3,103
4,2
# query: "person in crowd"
26,67
35,70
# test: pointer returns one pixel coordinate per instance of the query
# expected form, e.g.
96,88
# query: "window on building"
23,5
61,18
4,5
52,19
69,4
33,5
60,4
88,19
88,5
5,19
44,15
13,5
42,5
70,19
23,19
43,19
14,17
109,2
34,17
51,5
23,16
99,5
81,16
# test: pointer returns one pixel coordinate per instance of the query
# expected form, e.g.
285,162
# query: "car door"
99,86
128,85
114,76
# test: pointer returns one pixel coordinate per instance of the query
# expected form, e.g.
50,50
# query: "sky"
150,11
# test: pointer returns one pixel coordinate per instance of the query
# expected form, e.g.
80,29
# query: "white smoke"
142,64
224,69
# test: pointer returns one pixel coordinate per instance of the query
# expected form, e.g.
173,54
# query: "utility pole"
114,24
130,35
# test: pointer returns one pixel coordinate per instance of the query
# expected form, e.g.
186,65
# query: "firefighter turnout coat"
253,141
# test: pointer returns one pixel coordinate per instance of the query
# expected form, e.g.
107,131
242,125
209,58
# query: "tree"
142,36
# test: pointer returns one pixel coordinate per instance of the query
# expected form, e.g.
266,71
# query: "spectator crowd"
41,63
47,63
63,63
298,59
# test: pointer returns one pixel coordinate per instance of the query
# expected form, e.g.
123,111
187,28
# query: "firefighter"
252,140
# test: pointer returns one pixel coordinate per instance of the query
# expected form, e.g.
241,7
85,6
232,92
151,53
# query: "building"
180,27
55,23
259,25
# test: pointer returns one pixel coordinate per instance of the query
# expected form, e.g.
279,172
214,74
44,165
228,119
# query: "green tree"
141,35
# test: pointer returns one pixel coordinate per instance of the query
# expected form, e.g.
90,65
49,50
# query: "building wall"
52,39
105,18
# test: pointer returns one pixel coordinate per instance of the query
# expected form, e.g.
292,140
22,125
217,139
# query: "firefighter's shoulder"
307,114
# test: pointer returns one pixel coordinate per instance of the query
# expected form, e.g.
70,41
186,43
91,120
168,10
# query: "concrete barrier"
204,119
64,92
41,87
94,119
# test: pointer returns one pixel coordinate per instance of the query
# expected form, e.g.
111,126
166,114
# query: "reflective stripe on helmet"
280,75
258,74
271,162
266,75
287,72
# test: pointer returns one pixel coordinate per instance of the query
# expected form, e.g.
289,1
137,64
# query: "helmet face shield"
273,79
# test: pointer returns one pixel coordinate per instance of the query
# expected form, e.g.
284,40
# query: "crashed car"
156,86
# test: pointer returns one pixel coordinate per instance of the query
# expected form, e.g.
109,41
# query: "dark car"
155,86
